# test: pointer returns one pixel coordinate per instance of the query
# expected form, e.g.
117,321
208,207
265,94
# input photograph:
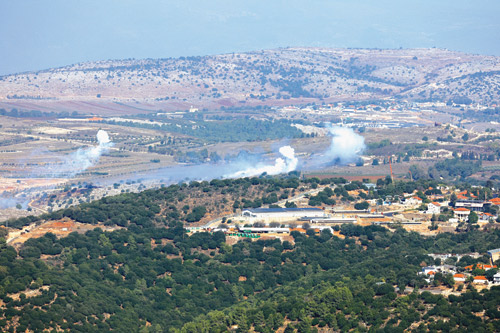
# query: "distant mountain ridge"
268,77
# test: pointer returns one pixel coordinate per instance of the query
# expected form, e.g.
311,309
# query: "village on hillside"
437,210
440,209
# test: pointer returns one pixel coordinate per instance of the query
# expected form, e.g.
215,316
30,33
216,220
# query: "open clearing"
60,228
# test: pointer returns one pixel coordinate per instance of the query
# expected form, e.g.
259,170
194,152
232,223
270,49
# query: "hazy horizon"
38,35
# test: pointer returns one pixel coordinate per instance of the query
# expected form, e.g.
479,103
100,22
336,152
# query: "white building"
332,220
494,254
496,278
474,205
426,270
461,213
480,280
486,217
266,230
434,208
281,214
413,201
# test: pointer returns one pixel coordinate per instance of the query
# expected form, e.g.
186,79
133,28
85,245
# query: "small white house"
496,278
433,208
480,280
485,217
413,201
428,269
461,213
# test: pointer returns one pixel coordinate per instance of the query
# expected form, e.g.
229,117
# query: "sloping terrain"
150,275
270,77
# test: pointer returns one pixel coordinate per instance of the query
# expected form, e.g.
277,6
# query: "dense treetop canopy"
152,276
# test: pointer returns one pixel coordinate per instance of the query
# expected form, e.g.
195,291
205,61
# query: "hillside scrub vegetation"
152,276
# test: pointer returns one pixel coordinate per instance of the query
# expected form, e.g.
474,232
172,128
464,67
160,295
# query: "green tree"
361,205
473,218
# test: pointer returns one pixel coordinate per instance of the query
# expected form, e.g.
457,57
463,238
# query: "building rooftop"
495,201
469,201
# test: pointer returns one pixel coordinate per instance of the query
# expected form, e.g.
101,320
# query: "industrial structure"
473,205
280,214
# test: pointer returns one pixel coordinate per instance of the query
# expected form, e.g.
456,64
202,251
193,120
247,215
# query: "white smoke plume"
82,159
346,145
68,167
283,164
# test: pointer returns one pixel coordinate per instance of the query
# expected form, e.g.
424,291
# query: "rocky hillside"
271,77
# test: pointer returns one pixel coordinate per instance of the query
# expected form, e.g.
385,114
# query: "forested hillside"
151,276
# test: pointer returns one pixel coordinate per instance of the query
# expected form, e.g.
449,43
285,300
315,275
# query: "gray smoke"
283,164
79,161
346,146
69,166
9,202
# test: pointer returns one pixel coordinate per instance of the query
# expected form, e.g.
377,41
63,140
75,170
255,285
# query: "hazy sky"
38,34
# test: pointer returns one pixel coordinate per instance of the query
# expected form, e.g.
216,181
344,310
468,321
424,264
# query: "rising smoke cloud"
244,165
346,146
69,166
79,161
283,164
84,158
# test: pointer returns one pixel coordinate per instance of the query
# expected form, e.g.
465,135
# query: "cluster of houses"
461,277
467,273
393,212
390,114
464,205
463,208
398,210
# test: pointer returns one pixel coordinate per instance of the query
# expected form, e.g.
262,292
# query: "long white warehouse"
281,214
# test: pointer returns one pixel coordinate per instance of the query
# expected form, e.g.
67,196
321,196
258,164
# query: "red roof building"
480,279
